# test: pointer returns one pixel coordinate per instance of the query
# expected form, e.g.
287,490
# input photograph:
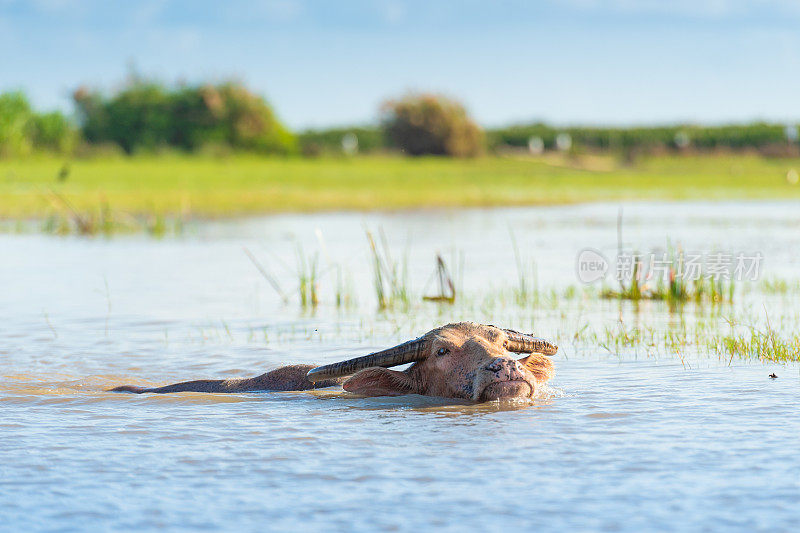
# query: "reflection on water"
619,441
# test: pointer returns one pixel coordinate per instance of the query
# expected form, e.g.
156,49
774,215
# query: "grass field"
211,187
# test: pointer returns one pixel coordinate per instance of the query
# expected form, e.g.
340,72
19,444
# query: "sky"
328,63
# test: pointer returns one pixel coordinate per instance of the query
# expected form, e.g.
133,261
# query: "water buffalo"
462,360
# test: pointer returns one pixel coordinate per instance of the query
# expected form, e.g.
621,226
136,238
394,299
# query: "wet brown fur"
475,362
285,378
462,372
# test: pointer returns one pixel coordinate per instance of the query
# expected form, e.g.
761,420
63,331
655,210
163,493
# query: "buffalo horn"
408,352
524,343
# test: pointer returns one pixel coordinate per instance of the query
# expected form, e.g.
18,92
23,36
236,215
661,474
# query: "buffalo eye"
442,351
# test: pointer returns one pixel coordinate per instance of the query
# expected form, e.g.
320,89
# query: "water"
623,441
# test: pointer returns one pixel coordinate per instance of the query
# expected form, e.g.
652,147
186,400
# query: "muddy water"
620,442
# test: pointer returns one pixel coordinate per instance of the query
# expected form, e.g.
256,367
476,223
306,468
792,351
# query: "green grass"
390,276
764,345
184,186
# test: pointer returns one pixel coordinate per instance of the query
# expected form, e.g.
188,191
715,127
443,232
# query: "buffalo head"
462,360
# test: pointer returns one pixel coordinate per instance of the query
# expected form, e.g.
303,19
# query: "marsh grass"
307,272
64,219
390,277
581,324
778,286
527,288
446,285
307,278
589,307
344,296
751,342
673,287
267,275
728,338
646,319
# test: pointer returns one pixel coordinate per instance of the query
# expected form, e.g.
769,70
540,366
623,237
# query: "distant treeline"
147,116
758,136
764,138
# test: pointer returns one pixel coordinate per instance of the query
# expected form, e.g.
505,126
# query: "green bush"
54,133
23,131
15,124
147,116
421,124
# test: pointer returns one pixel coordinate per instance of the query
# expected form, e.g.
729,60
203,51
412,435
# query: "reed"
750,342
778,286
390,277
447,288
527,288
308,279
672,285
101,219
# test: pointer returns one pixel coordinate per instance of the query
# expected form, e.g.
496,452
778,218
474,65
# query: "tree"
23,131
15,124
146,115
422,124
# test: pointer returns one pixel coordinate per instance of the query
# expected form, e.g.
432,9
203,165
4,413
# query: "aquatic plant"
764,344
344,288
775,285
66,219
447,288
527,280
390,277
271,279
674,287
308,280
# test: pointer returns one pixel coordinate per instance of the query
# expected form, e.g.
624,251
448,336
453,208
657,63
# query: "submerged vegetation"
390,276
698,338
578,317
581,323
65,219
764,344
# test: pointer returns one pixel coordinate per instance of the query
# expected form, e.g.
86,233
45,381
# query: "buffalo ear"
539,365
379,381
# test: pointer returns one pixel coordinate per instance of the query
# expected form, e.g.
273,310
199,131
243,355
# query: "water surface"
622,441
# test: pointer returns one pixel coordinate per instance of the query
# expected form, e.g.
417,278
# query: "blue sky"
324,63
